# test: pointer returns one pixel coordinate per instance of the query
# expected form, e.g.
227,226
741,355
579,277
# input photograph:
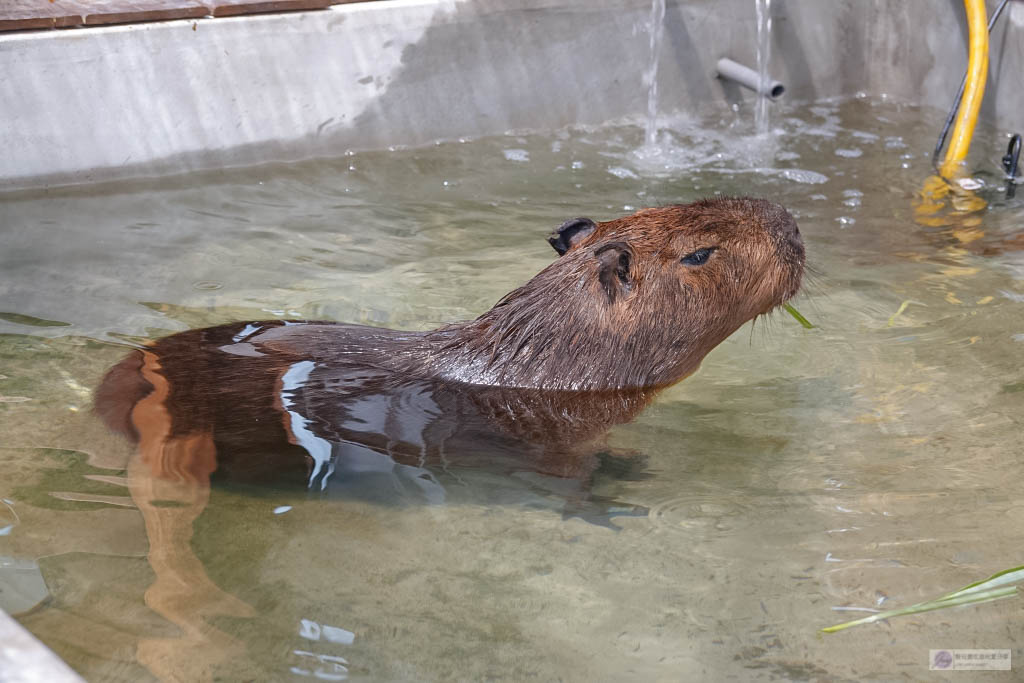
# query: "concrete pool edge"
165,98
23,659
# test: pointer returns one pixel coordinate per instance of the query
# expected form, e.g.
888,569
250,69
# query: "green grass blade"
799,318
941,603
1007,576
899,312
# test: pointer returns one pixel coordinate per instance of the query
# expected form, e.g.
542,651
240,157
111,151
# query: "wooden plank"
228,8
20,15
99,12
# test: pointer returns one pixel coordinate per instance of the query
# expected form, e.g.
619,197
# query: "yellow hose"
938,193
974,91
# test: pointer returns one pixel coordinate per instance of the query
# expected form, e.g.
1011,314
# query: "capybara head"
634,302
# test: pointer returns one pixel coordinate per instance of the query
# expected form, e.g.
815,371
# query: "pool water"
798,479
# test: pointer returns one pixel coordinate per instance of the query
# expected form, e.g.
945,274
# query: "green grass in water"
799,318
29,320
995,587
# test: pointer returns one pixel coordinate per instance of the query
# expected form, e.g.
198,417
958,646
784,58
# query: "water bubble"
846,221
851,153
516,154
577,165
621,172
801,175
205,285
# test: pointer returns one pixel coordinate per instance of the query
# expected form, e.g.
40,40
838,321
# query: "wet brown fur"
564,329
578,348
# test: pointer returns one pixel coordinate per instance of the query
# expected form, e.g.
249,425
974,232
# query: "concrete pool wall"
162,98
23,659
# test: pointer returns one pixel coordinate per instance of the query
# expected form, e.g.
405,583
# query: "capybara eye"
698,258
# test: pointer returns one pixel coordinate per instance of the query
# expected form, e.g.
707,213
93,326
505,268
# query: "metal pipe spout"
748,78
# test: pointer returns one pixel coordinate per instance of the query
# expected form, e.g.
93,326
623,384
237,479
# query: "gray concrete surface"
23,659
22,586
166,98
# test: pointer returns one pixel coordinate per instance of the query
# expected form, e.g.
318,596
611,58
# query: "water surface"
870,462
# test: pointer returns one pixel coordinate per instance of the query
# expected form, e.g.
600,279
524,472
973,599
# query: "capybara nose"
790,228
791,233
781,222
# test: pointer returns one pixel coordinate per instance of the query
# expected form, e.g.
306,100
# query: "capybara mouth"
796,260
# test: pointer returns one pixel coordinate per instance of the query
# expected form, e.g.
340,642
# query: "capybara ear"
571,233
614,260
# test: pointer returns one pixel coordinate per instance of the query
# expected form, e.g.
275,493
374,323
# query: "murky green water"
873,461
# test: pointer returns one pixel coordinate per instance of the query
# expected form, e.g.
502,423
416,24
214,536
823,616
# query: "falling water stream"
764,53
656,29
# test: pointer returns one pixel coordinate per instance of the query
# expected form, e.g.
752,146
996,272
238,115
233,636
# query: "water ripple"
699,512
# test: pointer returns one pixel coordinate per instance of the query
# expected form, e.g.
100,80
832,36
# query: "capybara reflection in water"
527,389
630,306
